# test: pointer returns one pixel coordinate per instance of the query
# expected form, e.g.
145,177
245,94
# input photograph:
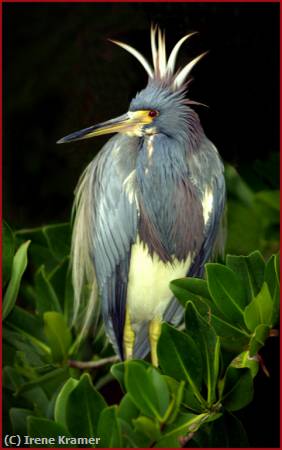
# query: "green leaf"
271,198
84,406
18,268
58,335
26,323
177,398
232,338
127,410
184,424
58,238
18,418
118,371
242,221
207,341
132,438
180,358
228,432
147,389
250,272
48,429
8,246
57,279
46,298
61,401
244,359
187,288
238,388
109,428
50,381
148,427
226,291
39,253
258,339
259,311
273,283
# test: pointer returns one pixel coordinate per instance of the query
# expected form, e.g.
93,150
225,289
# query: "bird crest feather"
163,68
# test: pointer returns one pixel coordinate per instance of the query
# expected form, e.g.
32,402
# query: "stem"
92,364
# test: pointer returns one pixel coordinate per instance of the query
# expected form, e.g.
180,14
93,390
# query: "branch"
92,364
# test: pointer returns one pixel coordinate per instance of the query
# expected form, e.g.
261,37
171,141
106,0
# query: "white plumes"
137,55
172,57
183,74
163,69
153,46
82,266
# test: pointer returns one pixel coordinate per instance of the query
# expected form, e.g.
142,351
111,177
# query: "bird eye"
153,113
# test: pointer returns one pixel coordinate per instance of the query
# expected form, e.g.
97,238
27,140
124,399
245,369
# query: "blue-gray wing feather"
114,229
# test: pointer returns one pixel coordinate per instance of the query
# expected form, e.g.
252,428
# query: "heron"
148,207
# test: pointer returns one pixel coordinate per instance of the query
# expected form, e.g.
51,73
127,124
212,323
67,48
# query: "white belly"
148,293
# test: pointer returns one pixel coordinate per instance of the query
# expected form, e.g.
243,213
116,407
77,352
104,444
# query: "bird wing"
110,227
206,171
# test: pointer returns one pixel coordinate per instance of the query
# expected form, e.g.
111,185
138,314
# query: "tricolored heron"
148,207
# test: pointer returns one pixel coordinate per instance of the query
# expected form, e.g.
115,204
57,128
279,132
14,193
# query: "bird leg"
154,334
128,338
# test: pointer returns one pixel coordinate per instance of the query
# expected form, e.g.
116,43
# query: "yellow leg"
128,338
154,334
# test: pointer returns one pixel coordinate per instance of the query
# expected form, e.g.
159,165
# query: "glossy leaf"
258,339
245,360
133,438
250,272
8,250
84,406
228,432
148,427
273,283
27,323
147,389
238,388
18,267
180,358
45,428
58,335
226,291
232,338
207,341
39,252
18,418
57,278
184,424
61,401
259,311
109,428
50,381
177,398
184,287
127,409
46,298
58,238
118,371
242,222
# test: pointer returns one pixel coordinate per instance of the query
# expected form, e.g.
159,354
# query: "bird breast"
148,293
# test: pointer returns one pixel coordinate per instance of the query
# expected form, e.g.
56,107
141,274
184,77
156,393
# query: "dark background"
61,74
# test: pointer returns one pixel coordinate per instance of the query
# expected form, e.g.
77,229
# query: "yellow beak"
130,122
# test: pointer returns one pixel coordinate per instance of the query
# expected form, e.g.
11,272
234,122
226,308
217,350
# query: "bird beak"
129,122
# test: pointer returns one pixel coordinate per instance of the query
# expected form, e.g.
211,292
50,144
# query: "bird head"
159,108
